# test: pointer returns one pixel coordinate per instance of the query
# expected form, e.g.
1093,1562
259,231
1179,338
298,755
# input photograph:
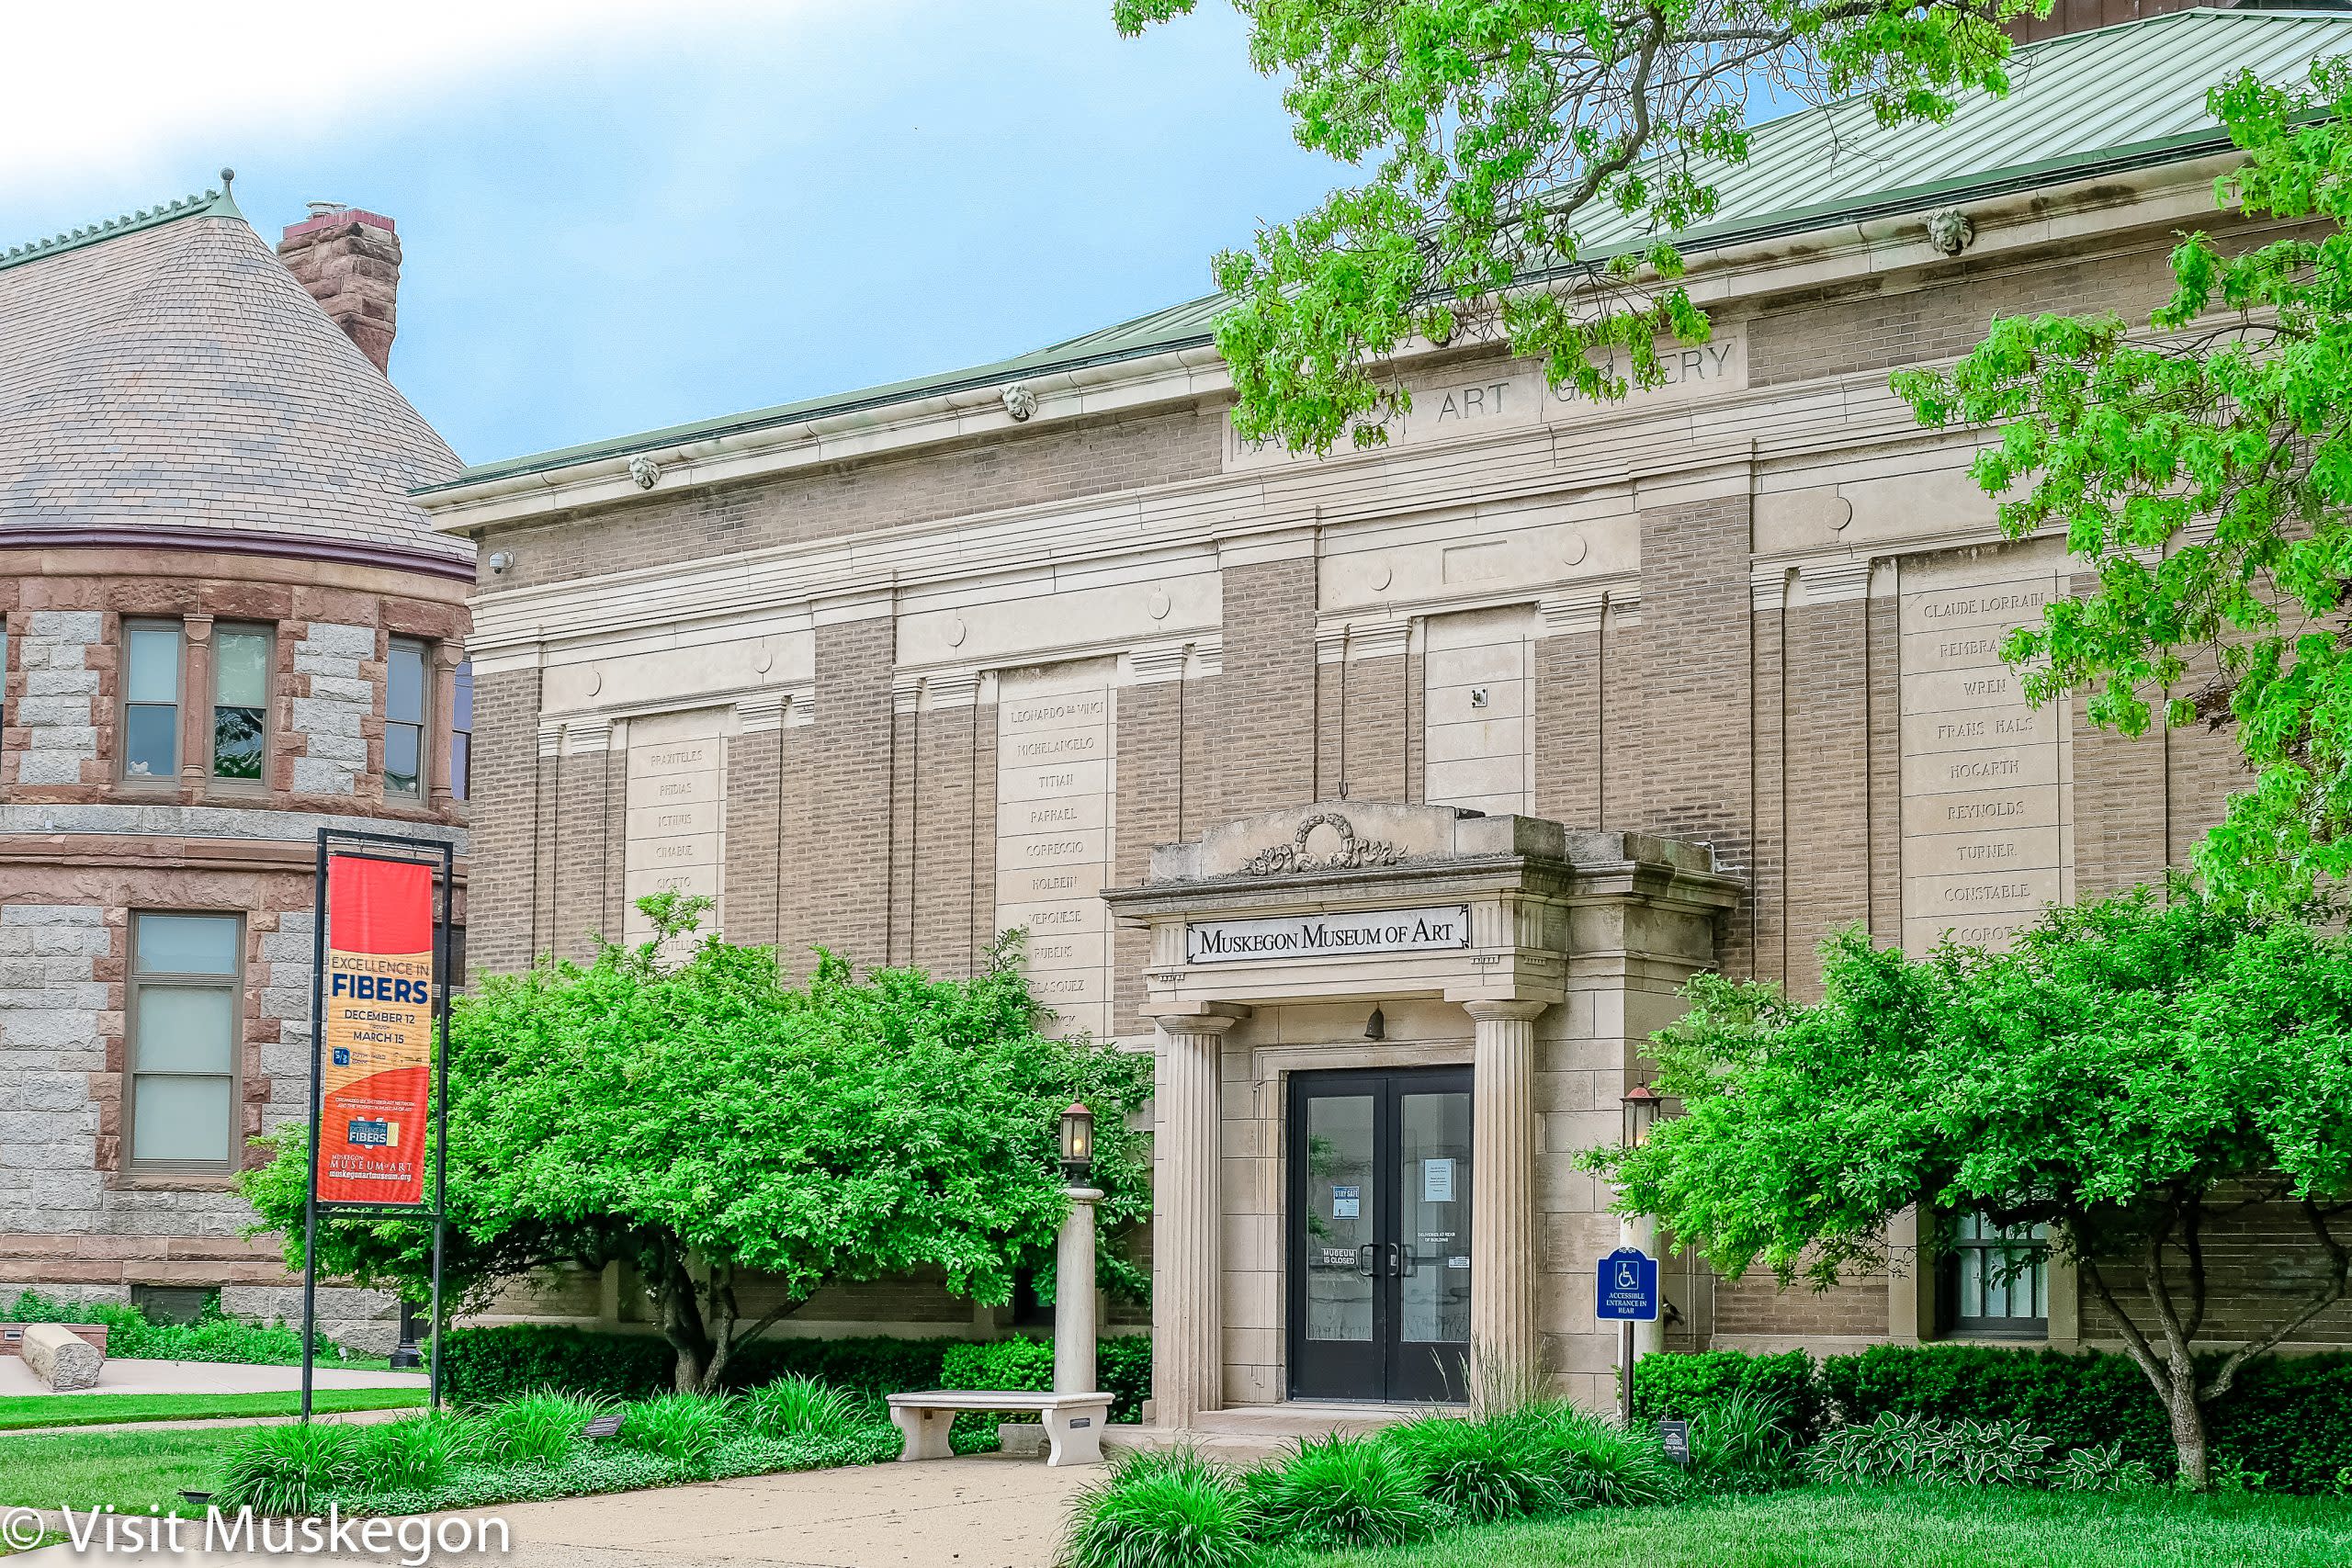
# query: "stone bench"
59,1357
1074,1422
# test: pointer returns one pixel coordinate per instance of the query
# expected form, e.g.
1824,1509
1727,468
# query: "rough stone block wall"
1265,753
343,670
52,1002
61,653
1697,726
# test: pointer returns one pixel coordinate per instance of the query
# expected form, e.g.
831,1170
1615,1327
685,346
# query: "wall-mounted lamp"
1078,1144
1376,1026
502,561
1642,1104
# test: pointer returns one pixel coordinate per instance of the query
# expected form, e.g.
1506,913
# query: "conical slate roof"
165,373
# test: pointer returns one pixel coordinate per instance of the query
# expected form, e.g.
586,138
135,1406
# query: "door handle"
1401,1261
1368,1260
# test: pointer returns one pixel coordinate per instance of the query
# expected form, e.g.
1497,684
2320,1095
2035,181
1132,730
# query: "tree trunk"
2188,1434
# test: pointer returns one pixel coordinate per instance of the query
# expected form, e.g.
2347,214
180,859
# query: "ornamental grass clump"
1597,1464
1161,1510
794,1405
1483,1470
413,1452
289,1468
540,1426
1742,1444
1341,1492
686,1428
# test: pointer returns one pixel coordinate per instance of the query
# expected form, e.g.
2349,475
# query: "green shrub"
412,1452
1342,1492
1742,1444
213,1336
2100,1470
289,1467
1920,1451
1684,1387
1597,1464
1160,1510
797,1406
1122,1368
543,1425
686,1428
1483,1470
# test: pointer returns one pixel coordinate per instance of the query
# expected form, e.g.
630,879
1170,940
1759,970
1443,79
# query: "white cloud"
109,87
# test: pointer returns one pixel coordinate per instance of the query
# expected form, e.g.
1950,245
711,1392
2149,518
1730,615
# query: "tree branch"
2134,1340
2337,1284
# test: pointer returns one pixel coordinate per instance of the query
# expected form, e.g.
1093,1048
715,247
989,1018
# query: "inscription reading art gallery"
1316,936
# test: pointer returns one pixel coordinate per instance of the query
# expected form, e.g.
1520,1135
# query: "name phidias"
1316,936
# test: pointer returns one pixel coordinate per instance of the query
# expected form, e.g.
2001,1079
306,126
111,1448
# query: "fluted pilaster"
1188,1317
1503,1245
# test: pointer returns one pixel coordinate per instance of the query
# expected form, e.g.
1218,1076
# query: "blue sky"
619,214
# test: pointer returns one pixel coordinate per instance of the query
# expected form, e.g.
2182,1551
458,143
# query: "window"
404,719
171,1304
240,662
462,731
186,1017
1995,1279
150,700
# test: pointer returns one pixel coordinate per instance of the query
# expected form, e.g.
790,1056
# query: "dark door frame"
1386,1086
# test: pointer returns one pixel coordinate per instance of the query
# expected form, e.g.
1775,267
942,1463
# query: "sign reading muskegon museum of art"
1328,936
379,1016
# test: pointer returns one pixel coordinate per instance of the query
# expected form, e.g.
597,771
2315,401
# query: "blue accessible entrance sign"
1628,1287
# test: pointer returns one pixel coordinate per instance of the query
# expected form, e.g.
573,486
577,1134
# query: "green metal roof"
2079,104
203,204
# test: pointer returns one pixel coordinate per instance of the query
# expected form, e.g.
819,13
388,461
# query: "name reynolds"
1318,936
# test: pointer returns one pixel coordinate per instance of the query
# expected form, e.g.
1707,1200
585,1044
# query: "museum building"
223,625
1389,797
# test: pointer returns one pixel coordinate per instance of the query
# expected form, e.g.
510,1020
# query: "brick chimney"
350,261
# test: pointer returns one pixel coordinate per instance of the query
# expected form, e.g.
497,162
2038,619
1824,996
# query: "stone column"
1188,1219
441,742
1074,1330
1505,1254
196,704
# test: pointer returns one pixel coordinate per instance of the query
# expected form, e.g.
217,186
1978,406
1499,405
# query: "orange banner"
377,1006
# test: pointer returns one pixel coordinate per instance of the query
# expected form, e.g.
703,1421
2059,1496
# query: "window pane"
154,665
186,944
180,1119
404,692
461,761
463,716
185,1029
151,742
401,743
240,668
237,743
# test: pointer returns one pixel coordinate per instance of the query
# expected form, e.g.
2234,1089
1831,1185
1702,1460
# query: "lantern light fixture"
1642,1105
1078,1144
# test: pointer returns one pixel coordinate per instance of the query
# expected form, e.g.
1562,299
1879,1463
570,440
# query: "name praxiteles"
1324,936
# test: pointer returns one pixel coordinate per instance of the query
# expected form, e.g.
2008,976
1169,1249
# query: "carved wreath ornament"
1353,853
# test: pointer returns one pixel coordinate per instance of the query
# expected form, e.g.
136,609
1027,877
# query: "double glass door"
1379,1234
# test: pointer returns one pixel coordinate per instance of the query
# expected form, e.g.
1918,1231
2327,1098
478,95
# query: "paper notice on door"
1346,1202
1437,1181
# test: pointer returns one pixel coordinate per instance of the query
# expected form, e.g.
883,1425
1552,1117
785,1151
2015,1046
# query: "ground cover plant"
214,1335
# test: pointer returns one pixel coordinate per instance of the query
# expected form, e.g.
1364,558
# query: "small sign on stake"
1674,1436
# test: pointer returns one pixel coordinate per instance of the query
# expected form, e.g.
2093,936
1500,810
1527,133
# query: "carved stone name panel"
674,836
1054,825
1987,791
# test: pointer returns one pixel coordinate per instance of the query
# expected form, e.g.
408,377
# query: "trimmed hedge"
2288,1419
1679,1387
485,1364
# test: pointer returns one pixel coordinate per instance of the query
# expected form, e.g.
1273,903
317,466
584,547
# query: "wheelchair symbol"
1625,1278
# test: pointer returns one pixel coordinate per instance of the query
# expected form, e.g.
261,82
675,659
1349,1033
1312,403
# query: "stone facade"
961,673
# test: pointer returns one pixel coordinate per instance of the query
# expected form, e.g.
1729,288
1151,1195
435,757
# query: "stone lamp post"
1074,1329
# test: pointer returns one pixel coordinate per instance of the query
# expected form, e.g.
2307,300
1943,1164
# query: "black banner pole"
318,1112
441,1098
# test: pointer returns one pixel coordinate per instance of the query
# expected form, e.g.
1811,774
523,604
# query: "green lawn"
130,1470
1909,1529
96,1409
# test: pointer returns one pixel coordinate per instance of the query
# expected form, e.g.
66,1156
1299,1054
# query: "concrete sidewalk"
122,1376
984,1512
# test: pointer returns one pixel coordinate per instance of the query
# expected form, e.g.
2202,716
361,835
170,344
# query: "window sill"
176,1180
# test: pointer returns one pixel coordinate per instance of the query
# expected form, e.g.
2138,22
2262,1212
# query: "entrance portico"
1310,1195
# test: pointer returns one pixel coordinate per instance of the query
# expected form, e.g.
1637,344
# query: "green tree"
701,1121
2130,1073
2200,469
1492,132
